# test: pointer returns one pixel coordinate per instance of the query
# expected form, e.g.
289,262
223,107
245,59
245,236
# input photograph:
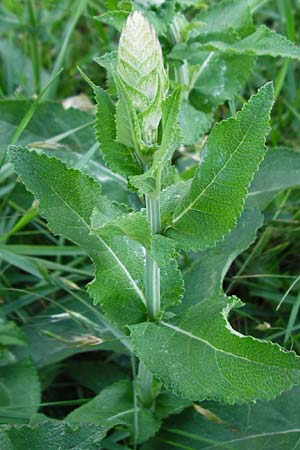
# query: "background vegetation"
45,312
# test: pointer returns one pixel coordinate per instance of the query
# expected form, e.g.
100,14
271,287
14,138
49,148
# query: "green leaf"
49,120
200,356
118,157
51,434
210,204
127,124
219,77
264,425
164,253
11,334
19,392
194,123
280,170
115,19
264,42
71,196
150,180
114,406
134,225
225,16
206,274
161,16
67,133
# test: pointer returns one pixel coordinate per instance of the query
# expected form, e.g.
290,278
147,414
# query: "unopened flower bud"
140,65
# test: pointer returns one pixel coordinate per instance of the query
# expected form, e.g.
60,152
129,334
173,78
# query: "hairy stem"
181,73
152,275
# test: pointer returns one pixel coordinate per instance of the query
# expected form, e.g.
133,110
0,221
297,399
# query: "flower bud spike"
140,66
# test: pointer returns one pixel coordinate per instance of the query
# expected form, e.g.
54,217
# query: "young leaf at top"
71,196
119,157
150,180
210,204
200,356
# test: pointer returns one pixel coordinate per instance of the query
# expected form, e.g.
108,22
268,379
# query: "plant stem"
181,73
152,275
146,391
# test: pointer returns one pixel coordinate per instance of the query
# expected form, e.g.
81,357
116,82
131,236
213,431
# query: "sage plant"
186,347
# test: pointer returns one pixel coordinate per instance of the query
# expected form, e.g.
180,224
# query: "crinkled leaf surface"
19,392
273,425
50,435
209,205
136,227
70,195
201,356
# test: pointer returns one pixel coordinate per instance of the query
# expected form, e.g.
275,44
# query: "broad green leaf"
226,15
219,77
72,196
280,170
114,406
19,392
118,157
136,227
273,425
151,180
201,356
51,434
264,42
210,204
205,275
